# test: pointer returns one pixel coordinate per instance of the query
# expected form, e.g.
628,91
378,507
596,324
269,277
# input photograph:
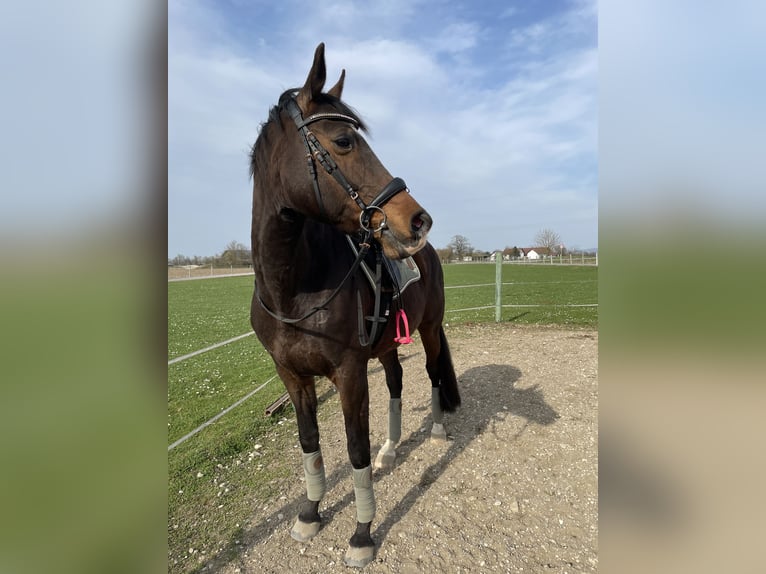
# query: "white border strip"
493,306
210,348
210,276
520,283
219,415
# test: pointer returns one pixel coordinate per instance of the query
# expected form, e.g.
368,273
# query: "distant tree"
550,239
234,254
236,246
512,252
445,254
460,246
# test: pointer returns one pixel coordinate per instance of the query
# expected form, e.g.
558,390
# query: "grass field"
523,285
216,476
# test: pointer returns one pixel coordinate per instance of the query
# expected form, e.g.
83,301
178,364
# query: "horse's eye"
344,143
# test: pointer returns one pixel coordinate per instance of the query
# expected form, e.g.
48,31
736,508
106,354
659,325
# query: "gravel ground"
514,489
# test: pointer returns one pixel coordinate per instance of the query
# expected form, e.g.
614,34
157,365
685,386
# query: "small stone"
498,503
280,516
200,475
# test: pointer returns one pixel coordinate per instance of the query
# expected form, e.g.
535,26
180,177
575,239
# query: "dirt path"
514,489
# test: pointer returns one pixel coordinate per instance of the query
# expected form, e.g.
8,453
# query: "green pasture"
217,476
203,312
538,284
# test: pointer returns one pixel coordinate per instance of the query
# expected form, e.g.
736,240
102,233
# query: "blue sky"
488,110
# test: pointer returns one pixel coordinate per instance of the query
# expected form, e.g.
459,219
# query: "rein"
315,151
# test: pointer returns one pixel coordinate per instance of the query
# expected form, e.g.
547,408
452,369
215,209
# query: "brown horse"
316,182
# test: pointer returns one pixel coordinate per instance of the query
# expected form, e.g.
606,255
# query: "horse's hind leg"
387,455
444,391
303,395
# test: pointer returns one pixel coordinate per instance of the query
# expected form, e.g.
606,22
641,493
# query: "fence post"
498,285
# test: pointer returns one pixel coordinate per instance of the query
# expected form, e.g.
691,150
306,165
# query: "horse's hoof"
438,433
304,531
385,461
359,557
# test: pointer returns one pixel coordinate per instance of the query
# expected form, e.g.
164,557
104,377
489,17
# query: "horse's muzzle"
398,245
421,224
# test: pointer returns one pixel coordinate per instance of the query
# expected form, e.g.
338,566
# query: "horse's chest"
305,355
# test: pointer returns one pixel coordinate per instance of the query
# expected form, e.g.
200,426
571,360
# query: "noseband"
314,149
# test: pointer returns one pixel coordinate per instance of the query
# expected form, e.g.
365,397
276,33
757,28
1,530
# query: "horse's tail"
449,394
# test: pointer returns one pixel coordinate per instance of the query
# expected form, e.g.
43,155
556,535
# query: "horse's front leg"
302,393
355,401
387,454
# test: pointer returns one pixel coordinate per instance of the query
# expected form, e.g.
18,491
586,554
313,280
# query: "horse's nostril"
421,222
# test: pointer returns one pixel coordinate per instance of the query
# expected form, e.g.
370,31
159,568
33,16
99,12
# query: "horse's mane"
275,115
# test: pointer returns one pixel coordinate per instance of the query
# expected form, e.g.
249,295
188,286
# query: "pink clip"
406,340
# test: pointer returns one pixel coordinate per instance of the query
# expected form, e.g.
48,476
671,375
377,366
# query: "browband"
328,116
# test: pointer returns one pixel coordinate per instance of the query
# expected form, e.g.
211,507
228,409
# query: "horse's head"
344,184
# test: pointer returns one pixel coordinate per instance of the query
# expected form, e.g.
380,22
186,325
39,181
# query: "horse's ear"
315,81
337,89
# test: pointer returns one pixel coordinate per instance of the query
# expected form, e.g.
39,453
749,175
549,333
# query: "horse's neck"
291,260
277,255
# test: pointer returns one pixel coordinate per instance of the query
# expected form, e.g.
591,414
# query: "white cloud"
456,37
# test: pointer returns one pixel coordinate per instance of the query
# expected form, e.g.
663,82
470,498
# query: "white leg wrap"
436,407
316,482
394,420
365,497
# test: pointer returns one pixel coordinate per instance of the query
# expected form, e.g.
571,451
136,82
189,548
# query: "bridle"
316,151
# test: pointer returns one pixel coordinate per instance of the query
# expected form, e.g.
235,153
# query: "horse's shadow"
489,395
485,391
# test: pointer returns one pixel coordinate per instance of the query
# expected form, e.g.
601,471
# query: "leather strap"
315,150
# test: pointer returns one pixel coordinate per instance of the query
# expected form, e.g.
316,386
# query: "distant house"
535,252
